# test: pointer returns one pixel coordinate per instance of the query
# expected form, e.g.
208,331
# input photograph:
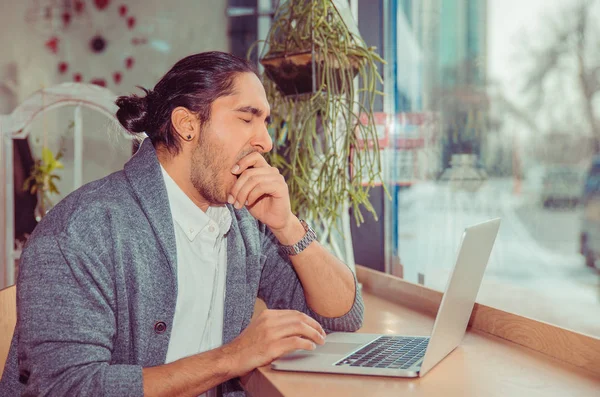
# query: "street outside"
535,268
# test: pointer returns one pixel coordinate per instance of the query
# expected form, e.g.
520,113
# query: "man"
144,282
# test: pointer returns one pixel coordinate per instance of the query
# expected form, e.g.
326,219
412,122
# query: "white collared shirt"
201,269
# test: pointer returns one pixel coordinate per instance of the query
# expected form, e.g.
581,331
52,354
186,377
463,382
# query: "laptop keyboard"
397,352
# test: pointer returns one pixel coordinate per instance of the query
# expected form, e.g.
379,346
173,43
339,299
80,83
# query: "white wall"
174,29
185,26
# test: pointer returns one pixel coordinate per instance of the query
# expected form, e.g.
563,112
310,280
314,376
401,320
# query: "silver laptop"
406,355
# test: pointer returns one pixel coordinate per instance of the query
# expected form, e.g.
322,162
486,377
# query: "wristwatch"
297,248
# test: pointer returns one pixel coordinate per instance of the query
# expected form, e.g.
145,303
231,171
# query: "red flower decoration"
130,22
63,67
101,4
123,10
66,18
117,76
79,6
52,44
129,62
100,82
77,77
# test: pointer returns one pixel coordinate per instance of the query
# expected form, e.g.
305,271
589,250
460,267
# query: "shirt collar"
189,216
222,216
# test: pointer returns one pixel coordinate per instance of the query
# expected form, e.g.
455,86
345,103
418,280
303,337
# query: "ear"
185,123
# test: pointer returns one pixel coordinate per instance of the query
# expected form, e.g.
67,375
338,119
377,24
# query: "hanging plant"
310,67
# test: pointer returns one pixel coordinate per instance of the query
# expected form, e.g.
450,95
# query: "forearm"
190,376
328,284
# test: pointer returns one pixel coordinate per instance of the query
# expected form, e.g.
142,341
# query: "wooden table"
483,365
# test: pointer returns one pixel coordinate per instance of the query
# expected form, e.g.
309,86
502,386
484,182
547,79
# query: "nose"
263,140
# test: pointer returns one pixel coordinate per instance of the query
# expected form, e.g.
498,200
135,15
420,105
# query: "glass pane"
495,113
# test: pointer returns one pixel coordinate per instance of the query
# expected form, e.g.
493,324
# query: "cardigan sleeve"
280,288
66,323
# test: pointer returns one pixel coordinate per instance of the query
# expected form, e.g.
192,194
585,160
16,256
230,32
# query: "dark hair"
194,82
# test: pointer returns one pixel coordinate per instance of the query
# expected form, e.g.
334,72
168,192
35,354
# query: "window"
491,117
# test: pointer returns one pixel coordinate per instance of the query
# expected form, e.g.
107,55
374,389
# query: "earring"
189,138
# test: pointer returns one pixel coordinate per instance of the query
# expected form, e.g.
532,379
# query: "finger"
247,181
298,328
247,174
296,315
293,320
278,183
254,159
258,187
290,344
313,323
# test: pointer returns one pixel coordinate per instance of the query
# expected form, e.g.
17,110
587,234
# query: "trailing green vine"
316,135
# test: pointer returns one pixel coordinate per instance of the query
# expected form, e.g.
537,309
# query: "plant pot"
293,73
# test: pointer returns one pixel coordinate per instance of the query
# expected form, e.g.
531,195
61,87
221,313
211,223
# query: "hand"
269,336
262,189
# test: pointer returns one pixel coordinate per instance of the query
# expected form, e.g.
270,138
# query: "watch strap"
301,245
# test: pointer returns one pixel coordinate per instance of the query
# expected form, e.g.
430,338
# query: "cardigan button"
24,376
160,327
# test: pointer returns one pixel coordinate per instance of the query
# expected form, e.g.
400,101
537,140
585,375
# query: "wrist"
234,361
228,362
291,232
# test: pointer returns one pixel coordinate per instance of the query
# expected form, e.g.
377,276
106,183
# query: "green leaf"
47,156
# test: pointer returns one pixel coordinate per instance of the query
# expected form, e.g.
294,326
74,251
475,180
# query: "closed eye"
246,121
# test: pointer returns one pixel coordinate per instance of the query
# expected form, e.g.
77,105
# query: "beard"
206,169
209,169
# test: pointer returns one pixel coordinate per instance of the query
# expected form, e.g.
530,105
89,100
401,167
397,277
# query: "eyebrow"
254,111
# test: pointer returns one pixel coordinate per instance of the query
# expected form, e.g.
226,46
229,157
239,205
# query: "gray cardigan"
97,288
